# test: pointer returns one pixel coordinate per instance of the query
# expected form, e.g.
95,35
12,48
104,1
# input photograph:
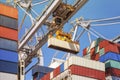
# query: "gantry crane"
59,12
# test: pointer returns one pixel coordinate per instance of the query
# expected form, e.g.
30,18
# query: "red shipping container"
92,51
84,51
46,77
112,72
97,57
112,48
8,33
8,11
104,43
87,72
56,71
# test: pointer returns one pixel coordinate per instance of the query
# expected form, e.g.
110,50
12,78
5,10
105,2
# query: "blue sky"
93,9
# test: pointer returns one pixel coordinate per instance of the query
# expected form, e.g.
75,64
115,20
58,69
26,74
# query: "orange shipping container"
8,33
8,11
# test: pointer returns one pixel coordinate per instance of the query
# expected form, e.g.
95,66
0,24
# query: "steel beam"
45,38
38,24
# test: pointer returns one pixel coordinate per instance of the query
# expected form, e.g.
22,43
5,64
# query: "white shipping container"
87,56
93,44
7,76
73,77
75,60
51,75
76,77
63,45
112,78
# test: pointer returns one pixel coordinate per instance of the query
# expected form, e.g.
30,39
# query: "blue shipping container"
8,67
8,22
62,67
41,69
8,55
8,44
110,56
38,76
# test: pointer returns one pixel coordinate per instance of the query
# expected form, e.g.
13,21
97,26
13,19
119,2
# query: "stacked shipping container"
8,42
39,71
107,52
77,68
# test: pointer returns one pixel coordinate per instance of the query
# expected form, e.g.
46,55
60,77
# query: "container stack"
107,52
8,42
77,68
39,71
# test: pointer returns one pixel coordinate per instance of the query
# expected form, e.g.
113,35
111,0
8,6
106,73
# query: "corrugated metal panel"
102,51
75,60
51,75
63,45
8,67
38,76
76,77
46,77
61,67
110,56
56,71
83,71
113,64
112,78
87,56
7,76
8,11
8,55
112,72
8,22
8,33
42,69
8,44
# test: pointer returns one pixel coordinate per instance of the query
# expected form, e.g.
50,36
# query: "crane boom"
38,24
77,6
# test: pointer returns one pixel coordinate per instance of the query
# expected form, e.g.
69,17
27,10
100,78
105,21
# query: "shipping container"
102,51
87,72
8,45
112,63
51,75
41,69
93,44
62,75
112,72
84,51
110,56
76,77
104,43
8,22
8,67
8,11
112,78
63,45
8,33
8,76
88,56
112,48
46,77
38,76
62,67
8,55
75,60
56,71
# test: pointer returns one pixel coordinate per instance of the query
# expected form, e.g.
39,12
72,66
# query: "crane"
54,10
